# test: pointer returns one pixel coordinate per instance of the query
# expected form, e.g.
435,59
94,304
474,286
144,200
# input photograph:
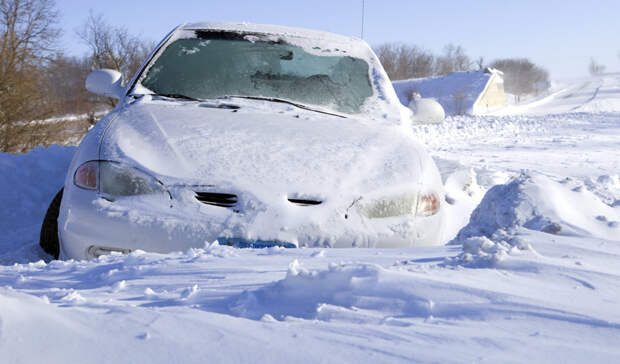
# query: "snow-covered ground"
529,273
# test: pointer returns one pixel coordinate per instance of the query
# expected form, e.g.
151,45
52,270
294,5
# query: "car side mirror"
426,111
106,83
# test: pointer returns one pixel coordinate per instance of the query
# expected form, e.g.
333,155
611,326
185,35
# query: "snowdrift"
536,202
362,293
28,184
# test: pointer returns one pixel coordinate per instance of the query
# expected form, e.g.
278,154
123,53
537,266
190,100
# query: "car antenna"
362,36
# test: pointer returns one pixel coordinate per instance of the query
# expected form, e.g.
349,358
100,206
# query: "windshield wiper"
275,99
204,103
178,96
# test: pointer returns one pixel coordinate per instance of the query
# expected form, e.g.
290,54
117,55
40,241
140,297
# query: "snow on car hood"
265,148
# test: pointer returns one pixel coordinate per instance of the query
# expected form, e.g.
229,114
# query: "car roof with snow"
243,27
312,41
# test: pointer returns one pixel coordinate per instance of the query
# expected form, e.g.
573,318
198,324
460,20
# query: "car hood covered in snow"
280,152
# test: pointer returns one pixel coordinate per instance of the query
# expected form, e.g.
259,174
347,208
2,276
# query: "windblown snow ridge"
361,293
535,202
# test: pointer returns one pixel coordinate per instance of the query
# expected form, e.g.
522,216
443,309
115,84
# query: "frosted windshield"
210,67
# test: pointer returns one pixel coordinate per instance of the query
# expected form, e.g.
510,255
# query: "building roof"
457,92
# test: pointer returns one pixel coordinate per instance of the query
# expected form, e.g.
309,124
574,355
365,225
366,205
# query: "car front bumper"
90,225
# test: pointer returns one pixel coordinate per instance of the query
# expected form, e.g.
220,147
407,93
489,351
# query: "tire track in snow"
594,95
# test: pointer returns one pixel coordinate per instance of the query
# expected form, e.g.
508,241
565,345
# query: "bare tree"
453,59
27,37
113,47
387,55
404,61
422,64
64,85
479,63
522,77
595,68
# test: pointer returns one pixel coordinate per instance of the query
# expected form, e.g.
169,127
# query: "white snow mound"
535,202
338,292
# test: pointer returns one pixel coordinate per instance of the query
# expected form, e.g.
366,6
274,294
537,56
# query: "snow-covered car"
254,136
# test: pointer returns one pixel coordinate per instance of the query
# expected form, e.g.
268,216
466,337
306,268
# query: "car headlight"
115,179
419,204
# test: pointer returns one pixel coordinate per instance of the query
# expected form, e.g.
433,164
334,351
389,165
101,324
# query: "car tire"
49,229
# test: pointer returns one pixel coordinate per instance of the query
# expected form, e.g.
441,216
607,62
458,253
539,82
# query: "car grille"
304,202
217,199
230,200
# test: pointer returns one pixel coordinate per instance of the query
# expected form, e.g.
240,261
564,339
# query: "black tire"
49,230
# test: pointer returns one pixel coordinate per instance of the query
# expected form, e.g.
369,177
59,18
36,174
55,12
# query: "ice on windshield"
212,66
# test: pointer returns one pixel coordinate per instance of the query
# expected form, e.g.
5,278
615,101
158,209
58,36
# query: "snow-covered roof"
270,29
457,92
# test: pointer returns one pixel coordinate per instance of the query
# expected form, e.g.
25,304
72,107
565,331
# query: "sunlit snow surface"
532,277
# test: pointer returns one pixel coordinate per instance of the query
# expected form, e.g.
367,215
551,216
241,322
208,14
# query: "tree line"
39,81
402,61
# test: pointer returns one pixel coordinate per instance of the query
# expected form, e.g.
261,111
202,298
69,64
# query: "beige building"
492,97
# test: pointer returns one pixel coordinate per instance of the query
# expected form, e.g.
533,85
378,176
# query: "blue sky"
559,35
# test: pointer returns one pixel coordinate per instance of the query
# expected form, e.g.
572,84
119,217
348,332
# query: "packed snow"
528,272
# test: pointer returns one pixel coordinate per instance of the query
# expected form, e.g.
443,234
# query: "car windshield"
216,64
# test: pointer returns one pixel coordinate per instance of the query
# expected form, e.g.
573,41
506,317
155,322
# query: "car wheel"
49,230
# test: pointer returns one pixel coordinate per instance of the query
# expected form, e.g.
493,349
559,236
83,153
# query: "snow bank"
535,202
27,186
464,187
